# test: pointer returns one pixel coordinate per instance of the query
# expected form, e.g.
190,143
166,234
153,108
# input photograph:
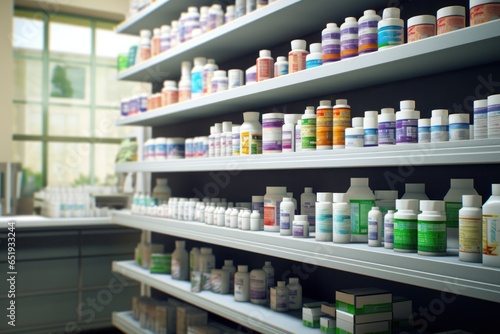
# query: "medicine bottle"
459,127
206,260
287,214
362,200
439,125
308,207
450,18
405,225
250,134
481,119
165,38
324,125
288,132
280,66
420,27
297,56
300,227
481,11
470,229
324,223
491,214
370,128
272,124
269,269
330,43
431,232
197,77
308,129
208,72
219,81
387,127
180,261
279,299
341,121
389,229
272,201
264,66
407,123
368,31
349,38
294,294
169,93
375,227
354,137
341,217
424,130
494,116
390,29
314,58
242,284
258,286
236,139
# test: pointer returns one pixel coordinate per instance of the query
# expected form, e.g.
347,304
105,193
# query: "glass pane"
104,163
29,153
105,120
70,40
28,33
110,44
69,83
27,119
69,121
69,164
28,79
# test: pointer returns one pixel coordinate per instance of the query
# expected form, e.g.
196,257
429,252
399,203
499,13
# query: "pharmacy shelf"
256,317
445,273
156,14
125,322
451,51
445,153
260,29
40,221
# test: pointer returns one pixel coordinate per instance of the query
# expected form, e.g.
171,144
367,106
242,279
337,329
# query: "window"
67,97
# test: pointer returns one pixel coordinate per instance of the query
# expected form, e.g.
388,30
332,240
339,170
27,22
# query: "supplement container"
390,29
235,78
439,126
314,59
297,56
491,232
226,139
341,121
470,229
236,139
279,297
386,127
280,66
370,128
450,18
165,38
197,77
258,204
424,130
349,38
194,256
481,11
324,223
242,284
308,207
362,200
208,72
255,221
459,127
287,213
375,227
160,151
230,14
389,229
216,139
407,123
124,107
269,269
219,81
415,191
288,132
431,233
300,228
341,217
250,134
324,125
294,294
144,45
143,102
240,8
420,27
354,137
298,135
405,226
175,148
368,31
308,130
169,93
264,66
184,89
272,124
330,43
494,116
180,261
258,286
155,42
481,119
251,75
189,148
272,201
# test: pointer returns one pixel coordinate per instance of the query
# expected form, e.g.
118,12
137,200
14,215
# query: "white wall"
6,83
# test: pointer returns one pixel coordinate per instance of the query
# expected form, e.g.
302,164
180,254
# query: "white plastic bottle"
387,127
216,139
389,229
242,284
288,132
439,125
194,258
424,130
324,125
405,226
219,81
280,303
245,219
229,266
470,229
407,123
264,66
375,227
297,56
272,124
251,134
208,72
206,260
314,58
272,201
330,42
280,66
349,38
197,77
390,29
453,203
308,130
269,269
180,261
226,139
165,38
415,191
341,217
258,286
162,191
368,32
431,233
491,228
324,224
362,199
481,119
294,293
308,207
255,221
298,135
287,213
234,218
370,128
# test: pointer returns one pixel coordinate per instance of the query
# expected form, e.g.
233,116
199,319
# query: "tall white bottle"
308,207
491,228
362,199
242,284
470,229
341,217
324,223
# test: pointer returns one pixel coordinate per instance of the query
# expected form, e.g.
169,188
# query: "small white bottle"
370,127
314,58
180,261
226,139
258,286
374,227
288,132
439,125
280,302
368,32
389,229
245,220
206,260
308,207
255,224
431,231
208,72
424,130
234,218
194,258
308,129
229,266
481,119
300,227
280,66
390,29
298,135
405,226
330,42
251,134
294,294
269,269
324,224
470,229
219,81
362,199
290,195
341,217
287,213
491,214
217,139
242,284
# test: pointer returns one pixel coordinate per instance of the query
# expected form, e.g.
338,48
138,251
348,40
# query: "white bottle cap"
357,122
267,263
281,59
331,26
369,12
407,204
406,104
421,19
325,103
281,284
439,113
342,102
308,189
291,118
472,201
370,122
415,187
180,243
257,198
293,280
459,118
251,116
358,131
315,47
462,183
391,13
145,33
359,181
218,127
480,103
157,32
228,262
265,53
387,111
424,122
302,218
165,29
287,199
227,126
451,11
493,99
371,113
220,74
242,268
324,197
273,115
169,83
310,110
200,61
386,194
340,198
350,19
426,205
299,44
495,189
212,130
275,190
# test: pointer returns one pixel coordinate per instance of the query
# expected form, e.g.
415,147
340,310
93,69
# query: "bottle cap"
227,126
406,104
495,190
325,103
308,189
459,118
331,26
242,268
472,201
324,197
298,44
351,19
359,181
391,13
493,99
251,116
424,122
301,218
432,206
462,183
451,11
357,122
340,198
310,110
281,284
341,102
281,59
293,280
218,127
407,204
421,19
315,47
265,53
200,61
256,198
385,111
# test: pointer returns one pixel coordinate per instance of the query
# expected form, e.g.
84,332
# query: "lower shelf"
256,317
125,322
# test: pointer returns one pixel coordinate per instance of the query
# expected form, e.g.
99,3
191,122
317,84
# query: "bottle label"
308,133
371,137
439,133
389,230
271,132
287,140
452,209
459,131
298,139
368,41
494,121
342,224
324,222
387,133
293,298
407,131
176,268
481,123
491,235
469,235
424,134
390,36
359,215
484,13
197,82
282,299
372,229
349,45
297,61
284,220
239,286
324,123
405,234
270,215
314,63
251,143
258,288
298,230
309,209
431,236
264,69
341,121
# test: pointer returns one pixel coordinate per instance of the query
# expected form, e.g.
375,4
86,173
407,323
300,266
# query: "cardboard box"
311,313
363,301
328,309
345,327
327,324
190,316
363,318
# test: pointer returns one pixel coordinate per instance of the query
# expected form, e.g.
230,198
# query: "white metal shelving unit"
125,322
257,317
41,222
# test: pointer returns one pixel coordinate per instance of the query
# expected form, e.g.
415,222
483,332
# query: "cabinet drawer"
96,271
108,242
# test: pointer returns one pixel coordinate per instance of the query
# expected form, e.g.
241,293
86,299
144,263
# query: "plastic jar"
386,127
279,297
258,286
439,125
324,125
341,121
459,127
481,119
375,227
368,31
450,18
272,200
250,134
219,81
280,66
264,66
308,206
491,214
314,58
206,260
149,150
242,284
330,43
349,38
143,102
405,226
160,148
297,56
424,130
169,93
235,78
272,124
287,214
175,148
180,261
407,123
300,228
494,116
294,294
481,11
308,130
390,29
431,233
324,223
251,75
354,137
420,27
